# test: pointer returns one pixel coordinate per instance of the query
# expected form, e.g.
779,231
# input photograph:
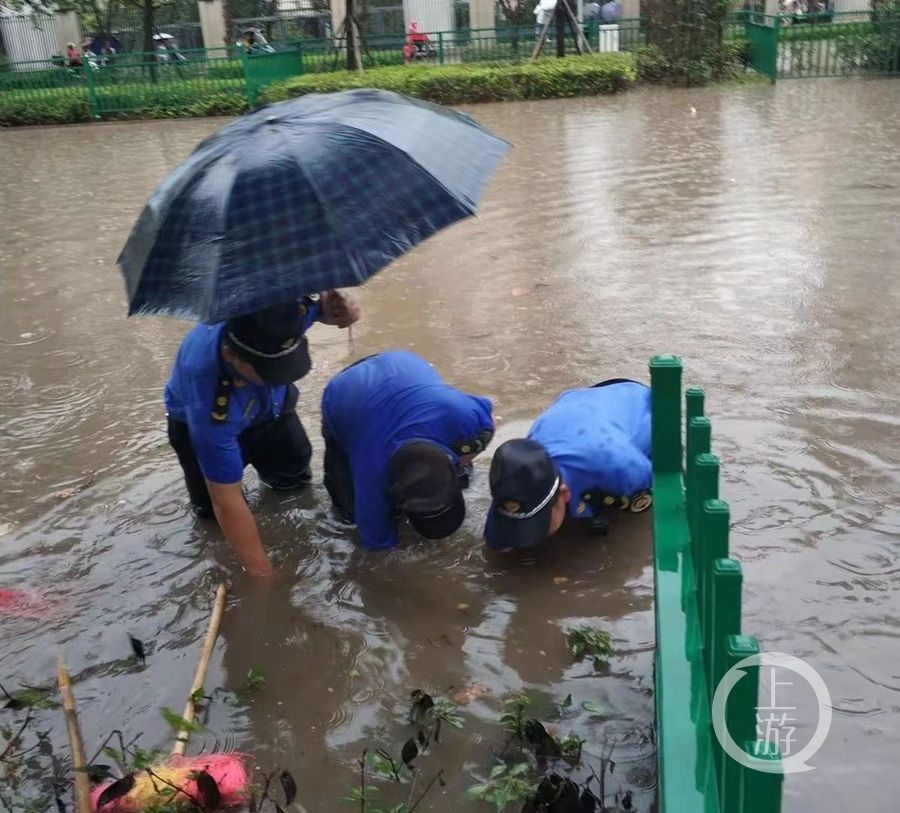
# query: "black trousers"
338,477
279,450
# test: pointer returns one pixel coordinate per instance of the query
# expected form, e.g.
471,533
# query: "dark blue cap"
273,341
524,481
423,484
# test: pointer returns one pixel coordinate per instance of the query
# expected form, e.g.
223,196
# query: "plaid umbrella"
311,194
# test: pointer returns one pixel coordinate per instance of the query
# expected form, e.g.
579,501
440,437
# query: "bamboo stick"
209,643
76,743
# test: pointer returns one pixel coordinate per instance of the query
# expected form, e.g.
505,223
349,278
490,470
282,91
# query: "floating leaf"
627,802
409,753
178,723
422,705
498,770
116,790
253,682
137,648
590,641
589,802
208,792
540,740
593,708
32,697
567,703
289,786
97,773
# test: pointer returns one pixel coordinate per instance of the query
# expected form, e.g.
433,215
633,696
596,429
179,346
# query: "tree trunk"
149,54
350,32
148,25
560,23
228,22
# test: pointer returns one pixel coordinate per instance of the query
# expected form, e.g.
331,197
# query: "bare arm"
240,529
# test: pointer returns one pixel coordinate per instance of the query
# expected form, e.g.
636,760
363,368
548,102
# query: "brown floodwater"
753,231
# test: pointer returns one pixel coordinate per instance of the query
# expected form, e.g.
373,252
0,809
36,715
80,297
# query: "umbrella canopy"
308,195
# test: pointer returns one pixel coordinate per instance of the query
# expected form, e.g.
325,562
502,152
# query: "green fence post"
693,403
726,614
698,442
704,485
761,790
712,544
665,379
249,85
93,101
440,47
776,33
740,718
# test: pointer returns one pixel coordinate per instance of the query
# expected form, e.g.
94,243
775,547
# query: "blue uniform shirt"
190,394
599,439
374,407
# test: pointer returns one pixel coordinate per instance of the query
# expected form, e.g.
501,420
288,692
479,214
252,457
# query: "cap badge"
512,507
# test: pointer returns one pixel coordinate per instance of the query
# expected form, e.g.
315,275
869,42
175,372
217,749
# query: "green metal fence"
204,81
188,83
698,619
821,45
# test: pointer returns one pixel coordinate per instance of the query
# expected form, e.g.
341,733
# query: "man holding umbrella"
313,194
230,402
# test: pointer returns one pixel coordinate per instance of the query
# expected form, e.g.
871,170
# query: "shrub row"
448,84
224,97
459,84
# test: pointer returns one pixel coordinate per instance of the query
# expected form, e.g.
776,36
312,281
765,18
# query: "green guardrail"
853,43
698,620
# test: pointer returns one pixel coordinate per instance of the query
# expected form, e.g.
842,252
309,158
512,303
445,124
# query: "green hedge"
449,84
224,97
62,106
458,84
652,64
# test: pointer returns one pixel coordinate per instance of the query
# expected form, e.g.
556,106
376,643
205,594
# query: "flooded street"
752,230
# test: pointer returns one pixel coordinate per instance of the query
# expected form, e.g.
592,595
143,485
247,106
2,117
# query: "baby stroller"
418,45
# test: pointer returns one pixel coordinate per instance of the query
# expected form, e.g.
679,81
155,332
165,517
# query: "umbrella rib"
357,266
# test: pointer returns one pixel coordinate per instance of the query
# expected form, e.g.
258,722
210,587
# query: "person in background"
397,442
610,12
543,11
230,402
586,457
73,56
